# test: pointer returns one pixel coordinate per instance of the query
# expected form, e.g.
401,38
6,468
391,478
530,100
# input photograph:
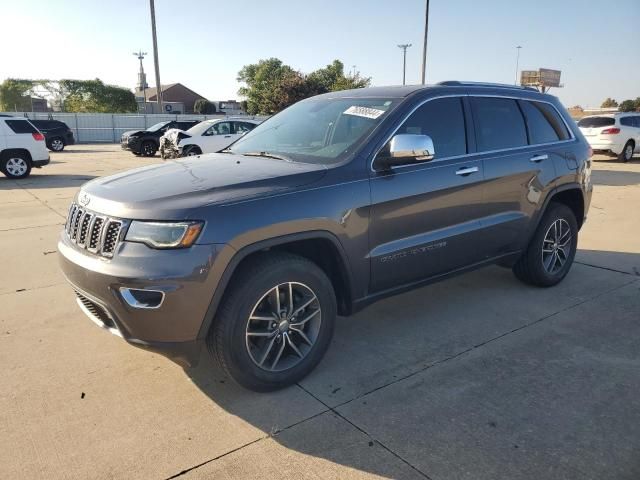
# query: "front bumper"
132,145
183,275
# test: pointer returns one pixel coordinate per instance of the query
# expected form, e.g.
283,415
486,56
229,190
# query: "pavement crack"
636,271
42,202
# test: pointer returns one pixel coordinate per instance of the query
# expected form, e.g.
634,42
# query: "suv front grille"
94,232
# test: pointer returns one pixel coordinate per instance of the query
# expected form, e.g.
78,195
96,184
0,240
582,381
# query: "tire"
148,149
247,308
532,268
627,152
192,151
16,166
56,144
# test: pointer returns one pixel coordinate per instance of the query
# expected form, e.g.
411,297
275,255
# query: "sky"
204,43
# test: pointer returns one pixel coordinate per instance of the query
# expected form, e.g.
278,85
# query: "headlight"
164,234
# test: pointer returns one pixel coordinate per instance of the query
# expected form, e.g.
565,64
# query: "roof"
151,91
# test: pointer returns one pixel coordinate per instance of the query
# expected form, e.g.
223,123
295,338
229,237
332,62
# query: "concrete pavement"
475,377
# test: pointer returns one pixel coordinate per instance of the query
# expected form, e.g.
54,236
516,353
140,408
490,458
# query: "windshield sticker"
366,112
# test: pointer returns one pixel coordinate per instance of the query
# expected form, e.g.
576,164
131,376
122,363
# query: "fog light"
138,298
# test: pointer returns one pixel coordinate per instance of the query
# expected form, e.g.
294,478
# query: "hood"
171,189
175,135
131,133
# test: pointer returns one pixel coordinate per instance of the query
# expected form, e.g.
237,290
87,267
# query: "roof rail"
457,83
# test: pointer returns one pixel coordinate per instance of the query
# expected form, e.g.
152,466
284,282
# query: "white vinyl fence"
107,127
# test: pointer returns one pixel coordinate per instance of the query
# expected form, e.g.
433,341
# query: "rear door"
519,142
424,216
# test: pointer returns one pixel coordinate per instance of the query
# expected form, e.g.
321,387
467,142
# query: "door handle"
466,171
538,158
227,136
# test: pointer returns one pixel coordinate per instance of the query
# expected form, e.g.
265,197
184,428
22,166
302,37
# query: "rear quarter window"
627,122
21,126
499,124
543,122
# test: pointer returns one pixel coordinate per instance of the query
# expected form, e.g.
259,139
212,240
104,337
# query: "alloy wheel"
628,152
283,326
556,246
57,144
16,166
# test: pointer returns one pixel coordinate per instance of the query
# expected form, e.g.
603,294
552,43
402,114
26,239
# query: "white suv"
22,147
615,133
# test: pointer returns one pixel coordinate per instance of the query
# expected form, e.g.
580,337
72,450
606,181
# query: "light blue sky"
203,43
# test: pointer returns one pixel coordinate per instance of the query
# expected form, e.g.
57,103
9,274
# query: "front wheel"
16,166
275,323
149,149
549,256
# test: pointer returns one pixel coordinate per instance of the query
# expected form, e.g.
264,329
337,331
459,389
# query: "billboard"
549,78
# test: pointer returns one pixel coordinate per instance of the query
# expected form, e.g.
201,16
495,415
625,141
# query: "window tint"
21,126
627,121
243,127
595,122
543,122
499,124
636,121
443,120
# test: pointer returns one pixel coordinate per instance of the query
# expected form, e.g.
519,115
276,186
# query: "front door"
424,216
216,137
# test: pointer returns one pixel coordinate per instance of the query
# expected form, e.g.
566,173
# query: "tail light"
590,152
37,136
610,131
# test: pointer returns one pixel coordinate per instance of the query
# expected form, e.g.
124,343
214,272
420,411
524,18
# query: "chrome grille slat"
93,232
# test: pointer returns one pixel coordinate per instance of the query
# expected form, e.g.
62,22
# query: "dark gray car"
334,203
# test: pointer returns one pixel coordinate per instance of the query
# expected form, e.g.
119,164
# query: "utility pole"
404,47
155,55
517,61
142,78
424,47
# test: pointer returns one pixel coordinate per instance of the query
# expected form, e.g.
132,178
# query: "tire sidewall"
624,152
237,359
144,152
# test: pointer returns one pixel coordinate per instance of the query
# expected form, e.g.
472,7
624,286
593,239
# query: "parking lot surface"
477,377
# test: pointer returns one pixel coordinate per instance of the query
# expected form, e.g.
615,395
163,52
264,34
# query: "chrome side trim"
471,95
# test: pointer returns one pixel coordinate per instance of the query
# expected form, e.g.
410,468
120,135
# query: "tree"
204,107
609,103
96,97
627,106
272,86
15,95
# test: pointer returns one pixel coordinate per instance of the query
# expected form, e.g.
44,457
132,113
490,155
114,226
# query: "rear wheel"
149,149
16,166
275,323
56,144
549,256
627,152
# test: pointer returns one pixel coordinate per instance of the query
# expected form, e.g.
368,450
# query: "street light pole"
424,47
517,61
155,55
404,47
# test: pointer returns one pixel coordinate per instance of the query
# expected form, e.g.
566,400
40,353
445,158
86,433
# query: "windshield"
201,127
321,130
157,126
595,122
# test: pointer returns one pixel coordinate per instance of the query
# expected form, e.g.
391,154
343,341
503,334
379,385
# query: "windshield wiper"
266,155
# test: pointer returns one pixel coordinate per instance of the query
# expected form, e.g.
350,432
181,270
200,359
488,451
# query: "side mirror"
406,148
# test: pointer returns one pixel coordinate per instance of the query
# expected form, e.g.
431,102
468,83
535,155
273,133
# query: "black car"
147,142
57,134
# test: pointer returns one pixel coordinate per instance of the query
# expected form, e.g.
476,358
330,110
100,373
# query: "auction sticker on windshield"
366,112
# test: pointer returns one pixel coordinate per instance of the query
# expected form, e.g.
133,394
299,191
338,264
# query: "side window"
21,126
636,121
242,127
543,122
627,121
220,128
499,124
443,120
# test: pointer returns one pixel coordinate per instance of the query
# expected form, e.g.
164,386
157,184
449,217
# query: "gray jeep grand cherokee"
338,201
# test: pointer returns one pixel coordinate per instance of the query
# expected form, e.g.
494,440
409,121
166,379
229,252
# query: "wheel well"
12,151
572,198
192,147
323,253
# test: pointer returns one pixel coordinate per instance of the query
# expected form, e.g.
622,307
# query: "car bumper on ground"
182,276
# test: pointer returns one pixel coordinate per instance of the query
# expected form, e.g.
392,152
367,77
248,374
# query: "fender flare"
247,250
561,188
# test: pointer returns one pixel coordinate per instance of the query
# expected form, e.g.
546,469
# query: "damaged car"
206,137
